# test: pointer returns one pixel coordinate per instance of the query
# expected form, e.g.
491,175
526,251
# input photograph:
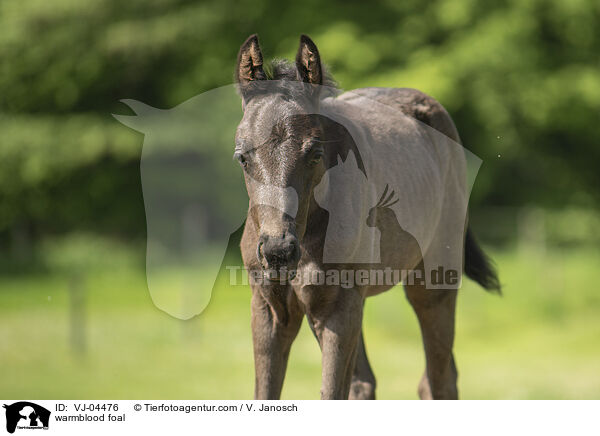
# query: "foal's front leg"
336,317
275,324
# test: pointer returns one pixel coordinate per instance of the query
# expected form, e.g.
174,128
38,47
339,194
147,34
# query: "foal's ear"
308,62
249,63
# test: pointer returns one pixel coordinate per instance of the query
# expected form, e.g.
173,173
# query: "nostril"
294,250
259,252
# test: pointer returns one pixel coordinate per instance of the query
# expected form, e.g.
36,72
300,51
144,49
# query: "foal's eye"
315,155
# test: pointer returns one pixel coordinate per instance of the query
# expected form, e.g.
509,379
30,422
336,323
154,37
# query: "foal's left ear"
308,62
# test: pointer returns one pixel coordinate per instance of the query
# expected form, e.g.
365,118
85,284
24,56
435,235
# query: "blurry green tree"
521,79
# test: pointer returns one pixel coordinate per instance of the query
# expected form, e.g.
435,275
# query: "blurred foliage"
79,253
519,77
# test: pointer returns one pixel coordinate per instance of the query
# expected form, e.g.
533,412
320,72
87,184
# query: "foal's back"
425,168
412,103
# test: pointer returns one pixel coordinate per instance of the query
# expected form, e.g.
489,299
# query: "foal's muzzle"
279,254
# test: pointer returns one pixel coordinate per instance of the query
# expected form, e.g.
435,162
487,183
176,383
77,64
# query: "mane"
284,71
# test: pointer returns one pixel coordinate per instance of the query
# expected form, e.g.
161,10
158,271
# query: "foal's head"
280,145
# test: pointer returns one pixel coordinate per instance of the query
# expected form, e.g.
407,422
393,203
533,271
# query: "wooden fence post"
78,318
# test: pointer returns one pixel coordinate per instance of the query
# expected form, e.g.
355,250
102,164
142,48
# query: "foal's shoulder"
410,102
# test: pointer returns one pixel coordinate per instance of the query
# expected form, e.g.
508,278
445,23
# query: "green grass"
540,340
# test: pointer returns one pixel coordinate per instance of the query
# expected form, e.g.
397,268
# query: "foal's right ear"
249,63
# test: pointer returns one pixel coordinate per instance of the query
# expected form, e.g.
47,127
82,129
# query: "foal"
287,140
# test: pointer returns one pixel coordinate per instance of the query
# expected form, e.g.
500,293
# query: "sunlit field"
541,340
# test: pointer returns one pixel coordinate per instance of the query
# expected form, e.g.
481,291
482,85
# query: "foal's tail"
478,266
